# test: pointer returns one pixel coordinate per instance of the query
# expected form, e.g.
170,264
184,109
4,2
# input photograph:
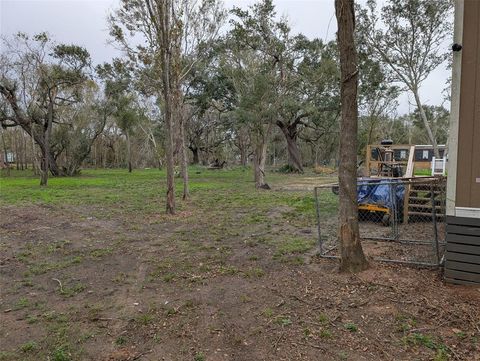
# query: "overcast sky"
83,22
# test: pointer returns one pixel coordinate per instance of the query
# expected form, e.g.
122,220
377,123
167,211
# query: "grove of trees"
198,83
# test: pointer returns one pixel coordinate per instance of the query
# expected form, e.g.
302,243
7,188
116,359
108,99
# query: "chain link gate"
400,220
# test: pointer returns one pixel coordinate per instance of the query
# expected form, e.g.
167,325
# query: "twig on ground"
475,321
278,340
136,357
60,284
309,344
421,329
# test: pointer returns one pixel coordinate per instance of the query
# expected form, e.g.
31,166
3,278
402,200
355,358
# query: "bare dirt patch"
82,286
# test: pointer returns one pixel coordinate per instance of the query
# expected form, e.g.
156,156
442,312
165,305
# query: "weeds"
283,321
120,340
29,346
325,333
145,319
268,312
199,356
420,339
101,252
322,318
21,304
73,290
61,354
293,246
351,327
255,272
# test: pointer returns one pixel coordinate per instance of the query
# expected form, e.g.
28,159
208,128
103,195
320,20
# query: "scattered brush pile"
323,170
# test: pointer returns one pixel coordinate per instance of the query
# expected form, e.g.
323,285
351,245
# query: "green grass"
293,246
21,303
254,272
225,213
268,312
283,321
29,346
144,189
419,339
71,291
199,356
60,354
424,172
91,187
120,340
322,318
145,319
325,333
47,266
224,217
5,355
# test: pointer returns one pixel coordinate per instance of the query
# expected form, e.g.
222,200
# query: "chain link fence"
400,220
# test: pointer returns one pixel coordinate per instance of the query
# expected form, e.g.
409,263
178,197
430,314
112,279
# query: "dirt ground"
77,284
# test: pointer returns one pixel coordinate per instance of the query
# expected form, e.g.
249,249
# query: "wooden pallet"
418,198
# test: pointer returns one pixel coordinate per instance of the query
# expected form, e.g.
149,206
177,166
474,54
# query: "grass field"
91,268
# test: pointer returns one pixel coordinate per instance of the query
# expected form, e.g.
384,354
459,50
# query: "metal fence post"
434,220
393,196
320,243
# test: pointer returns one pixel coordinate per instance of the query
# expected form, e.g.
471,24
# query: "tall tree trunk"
3,157
242,146
39,138
183,152
44,168
46,152
17,150
352,258
115,154
243,156
370,129
168,51
259,159
24,141
34,157
294,154
170,204
314,154
156,150
196,158
423,115
104,157
2,162
95,155
274,155
129,151
5,151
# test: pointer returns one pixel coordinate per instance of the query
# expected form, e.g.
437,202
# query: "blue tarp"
387,193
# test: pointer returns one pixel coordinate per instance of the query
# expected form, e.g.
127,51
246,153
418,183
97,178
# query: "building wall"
454,110
462,257
468,158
